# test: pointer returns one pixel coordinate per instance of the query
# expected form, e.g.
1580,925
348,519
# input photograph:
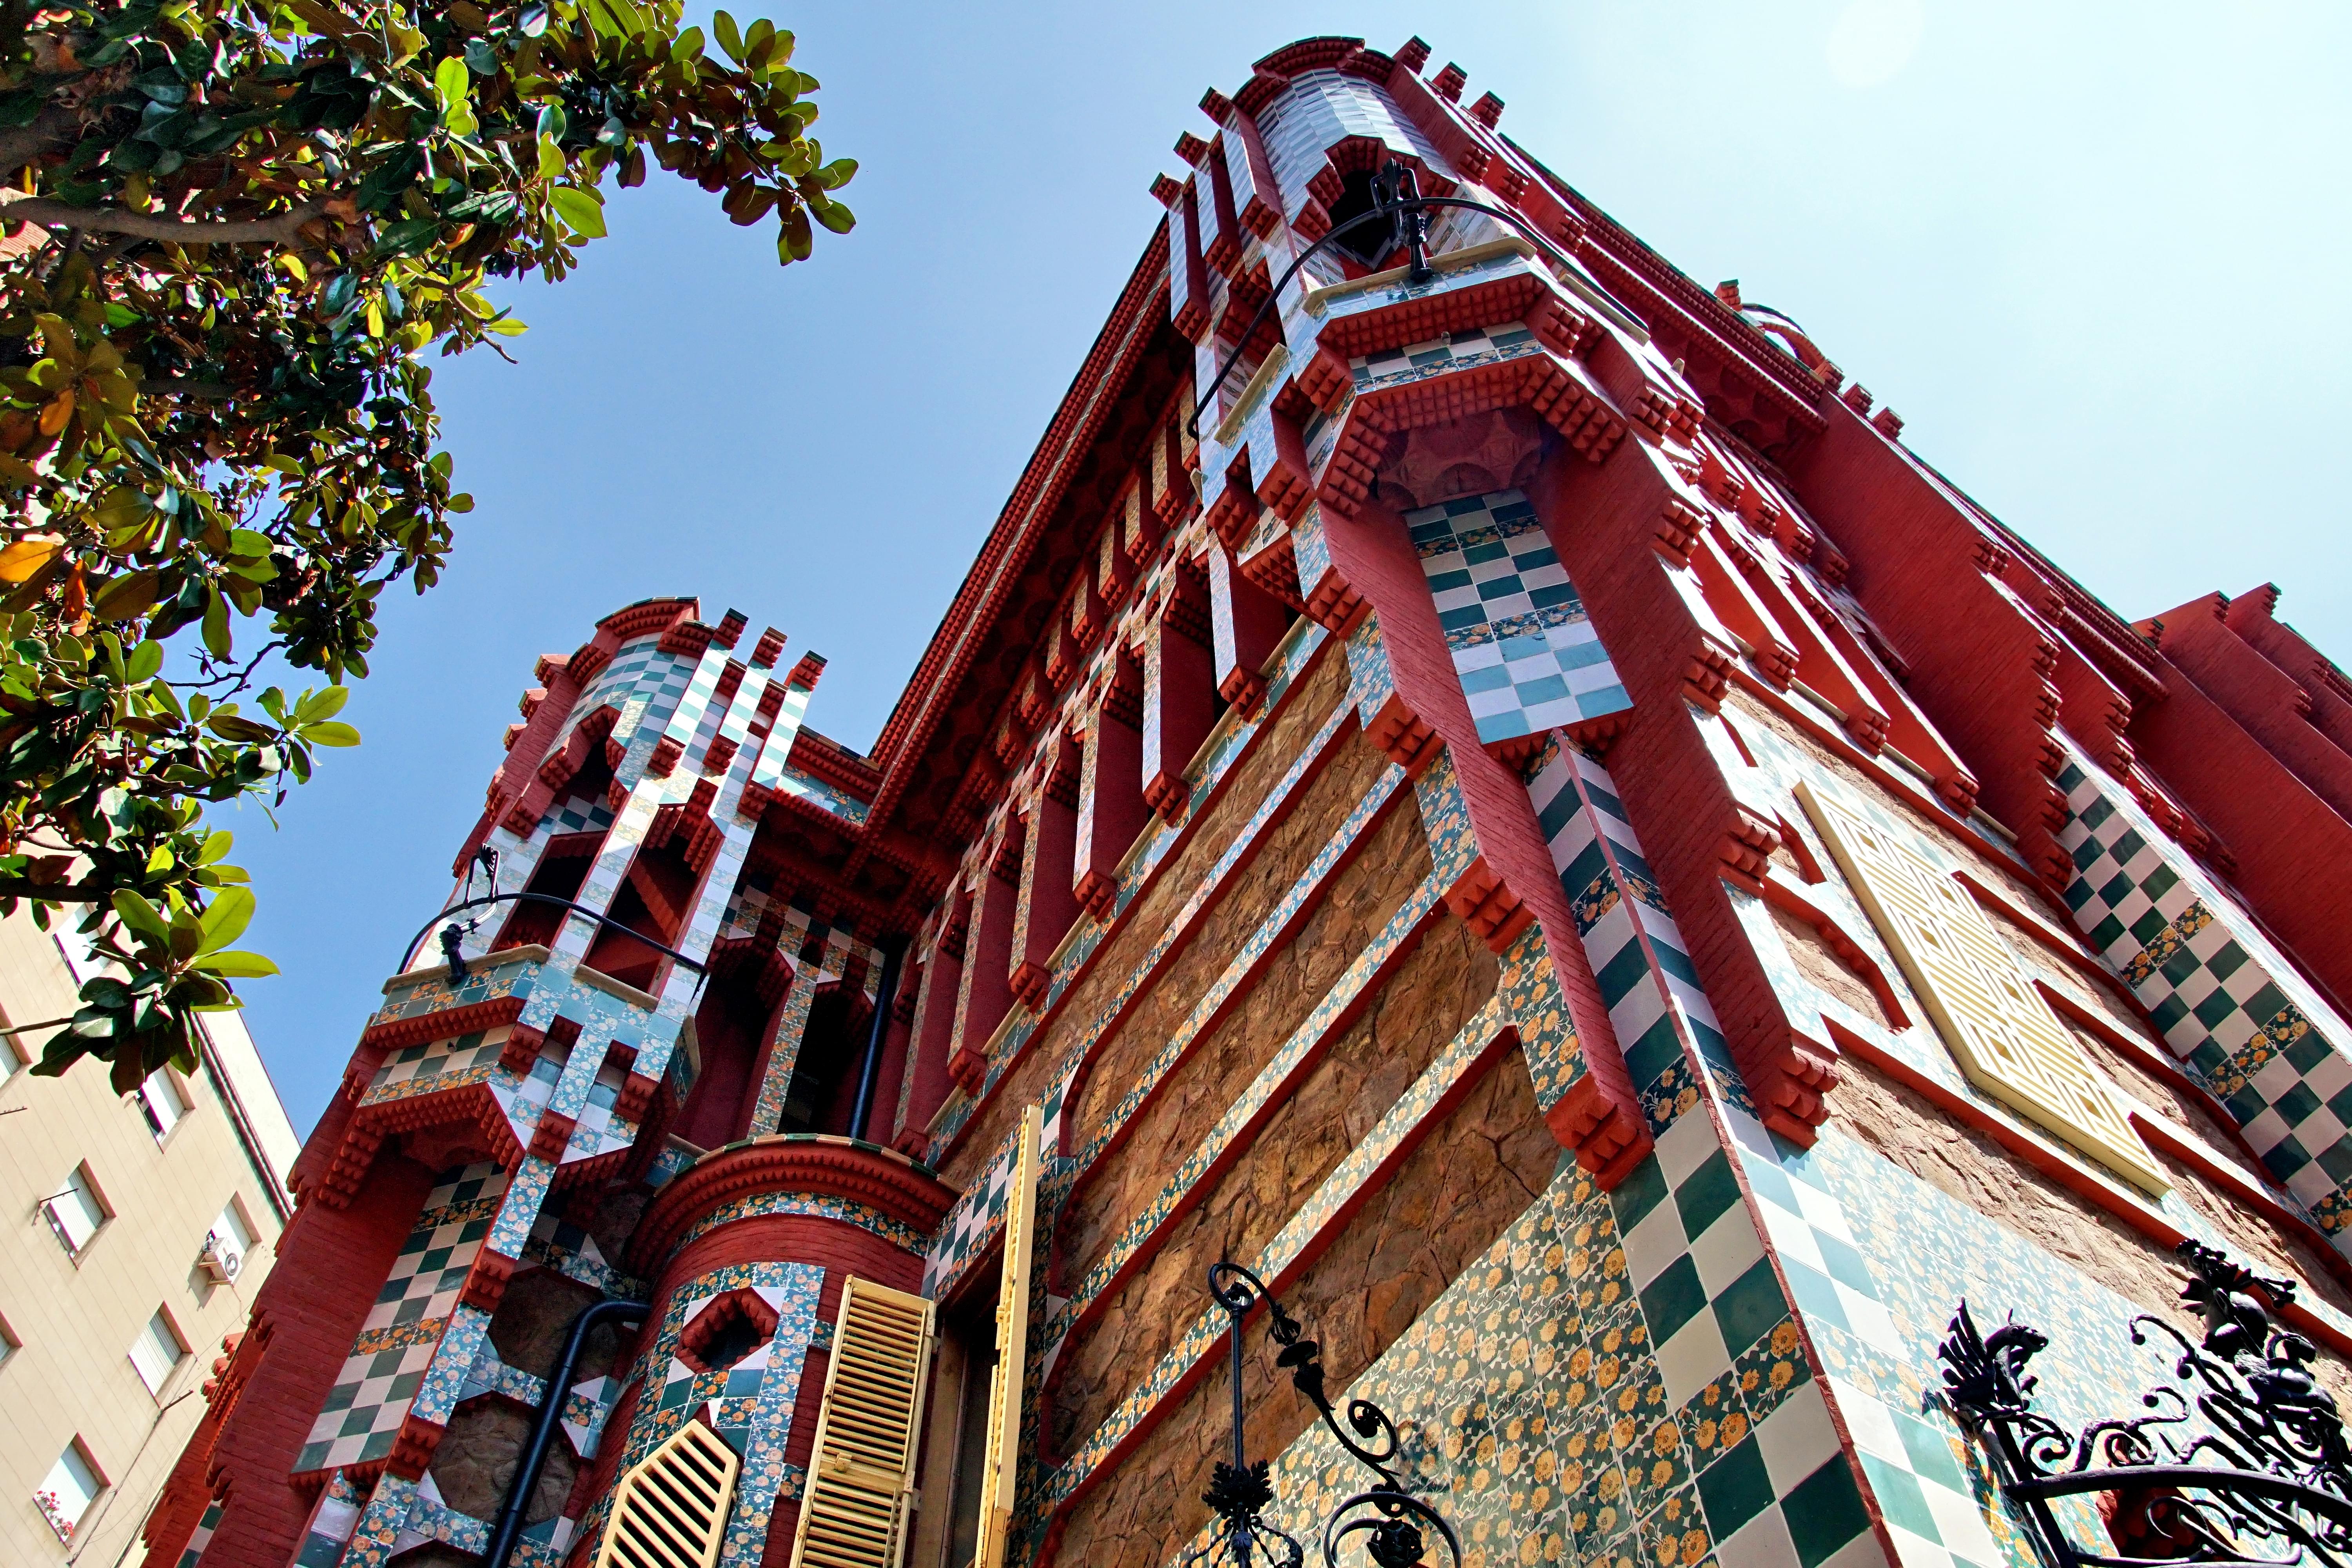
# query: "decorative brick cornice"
393,1034
834,1167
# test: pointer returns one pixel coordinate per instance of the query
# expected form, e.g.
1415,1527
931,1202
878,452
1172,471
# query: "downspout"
508,1528
892,949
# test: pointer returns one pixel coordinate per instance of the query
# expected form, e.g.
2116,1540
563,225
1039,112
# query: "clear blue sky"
2092,254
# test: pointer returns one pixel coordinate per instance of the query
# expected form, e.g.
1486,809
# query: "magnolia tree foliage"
235,228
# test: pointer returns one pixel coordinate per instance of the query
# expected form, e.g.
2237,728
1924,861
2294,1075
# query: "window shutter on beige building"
2007,1040
670,1511
862,1466
1004,1390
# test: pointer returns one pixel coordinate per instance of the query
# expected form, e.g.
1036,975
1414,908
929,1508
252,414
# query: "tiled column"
926,1082
987,972
1048,906
1179,698
1247,622
1110,789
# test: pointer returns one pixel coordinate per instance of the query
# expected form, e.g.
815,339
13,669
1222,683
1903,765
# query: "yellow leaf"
26,556
57,411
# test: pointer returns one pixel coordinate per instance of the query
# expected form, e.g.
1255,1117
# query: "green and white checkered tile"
329,1529
2230,1004
396,1341
1527,655
201,1536
1776,1485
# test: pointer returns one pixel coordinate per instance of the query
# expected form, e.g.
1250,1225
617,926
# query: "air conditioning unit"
220,1260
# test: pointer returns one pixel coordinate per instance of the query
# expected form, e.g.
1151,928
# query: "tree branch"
280,228
23,143
55,893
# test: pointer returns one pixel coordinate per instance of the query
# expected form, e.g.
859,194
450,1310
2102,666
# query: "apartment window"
12,1055
72,1486
157,1352
226,1244
8,1341
79,956
75,1211
163,1102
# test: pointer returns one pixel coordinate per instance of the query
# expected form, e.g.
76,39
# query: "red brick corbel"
666,753
1746,848
412,1449
1482,900
486,1281
552,1135
1403,734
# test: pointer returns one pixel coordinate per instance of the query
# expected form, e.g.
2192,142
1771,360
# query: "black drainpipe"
893,949
509,1528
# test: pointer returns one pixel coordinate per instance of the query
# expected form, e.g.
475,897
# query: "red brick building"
1480,780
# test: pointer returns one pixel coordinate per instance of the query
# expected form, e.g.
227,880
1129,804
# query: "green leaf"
728,38
131,594
215,632
452,80
217,843
139,914
226,918
323,703
581,209
145,660
834,216
332,733
235,966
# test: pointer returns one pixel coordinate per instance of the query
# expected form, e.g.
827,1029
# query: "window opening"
75,1212
157,1352
161,1102
67,1490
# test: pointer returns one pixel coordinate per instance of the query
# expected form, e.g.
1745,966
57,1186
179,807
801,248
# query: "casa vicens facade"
1473,779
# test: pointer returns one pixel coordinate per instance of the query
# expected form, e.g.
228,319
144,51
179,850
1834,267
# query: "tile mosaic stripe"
1302,1238
1237,1127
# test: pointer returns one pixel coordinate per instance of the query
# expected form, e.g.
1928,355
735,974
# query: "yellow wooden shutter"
2007,1040
998,1476
862,1466
670,1511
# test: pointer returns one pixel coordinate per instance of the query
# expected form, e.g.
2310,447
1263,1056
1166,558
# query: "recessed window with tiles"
157,1352
75,1211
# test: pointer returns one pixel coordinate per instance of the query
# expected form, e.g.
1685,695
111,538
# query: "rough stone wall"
1479,1170
1355,905
1819,963
1903,1128
1436,991
1324,802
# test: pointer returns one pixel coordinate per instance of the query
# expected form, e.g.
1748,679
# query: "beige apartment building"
139,1226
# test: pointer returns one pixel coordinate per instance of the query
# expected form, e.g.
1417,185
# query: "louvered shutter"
2007,1040
862,1466
998,1476
670,1511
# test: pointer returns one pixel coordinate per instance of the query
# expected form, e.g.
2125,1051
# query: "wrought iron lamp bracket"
1396,1524
2239,1463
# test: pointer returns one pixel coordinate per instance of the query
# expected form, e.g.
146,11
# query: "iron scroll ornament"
1240,1492
2241,1463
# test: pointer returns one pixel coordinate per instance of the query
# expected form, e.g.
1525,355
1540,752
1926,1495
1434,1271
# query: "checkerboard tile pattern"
201,1536
2230,1006
1455,350
329,1529
398,1339
1529,657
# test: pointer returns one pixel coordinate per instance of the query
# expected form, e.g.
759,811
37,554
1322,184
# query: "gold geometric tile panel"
2007,1040
670,1512
1011,1349
862,1466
